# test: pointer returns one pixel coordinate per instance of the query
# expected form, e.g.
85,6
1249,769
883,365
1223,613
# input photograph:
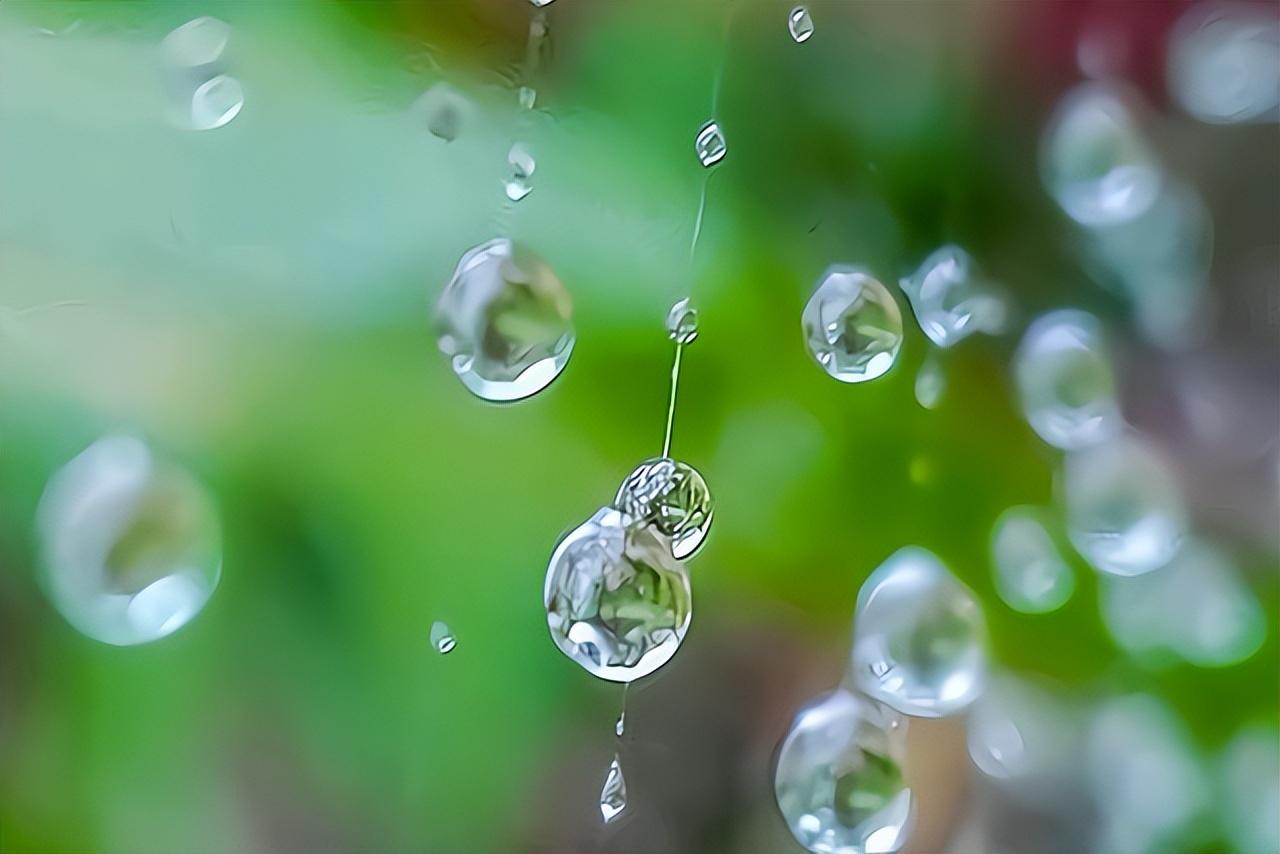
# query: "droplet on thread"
800,24
682,322
613,795
620,725
710,145
950,300
671,497
852,325
442,637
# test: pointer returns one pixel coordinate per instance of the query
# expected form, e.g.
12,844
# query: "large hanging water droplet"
504,319
930,383
839,781
1030,574
613,796
442,638
672,497
682,322
617,602
1222,61
852,325
131,545
1063,373
1125,513
800,24
444,110
1095,161
919,637
950,300
520,159
710,145
216,102
199,42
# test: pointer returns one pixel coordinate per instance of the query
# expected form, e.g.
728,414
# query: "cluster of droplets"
205,96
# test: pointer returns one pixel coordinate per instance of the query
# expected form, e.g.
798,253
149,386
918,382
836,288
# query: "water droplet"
1063,373
216,102
1195,608
1095,161
1030,574
1250,774
131,545
442,637
541,3
444,109
617,602
950,301
930,383
852,325
1017,731
672,497
839,781
613,796
620,726
522,164
800,24
919,637
1125,513
710,145
528,97
1222,62
504,320
198,42
682,322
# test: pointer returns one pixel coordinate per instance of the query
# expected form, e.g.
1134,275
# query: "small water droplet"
520,159
442,637
930,383
216,102
950,300
710,145
1030,574
852,325
528,97
541,3
199,42
445,111
682,322
620,726
673,498
838,780
919,637
613,795
800,24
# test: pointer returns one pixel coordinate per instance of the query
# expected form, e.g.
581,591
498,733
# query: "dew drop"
1223,60
1250,785
216,102
617,603
541,3
131,545
710,145
1030,574
444,110
442,638
199,42
620,725
1063,373
800,24
672,498
852,325
919,641
930,383
520,159
613,795
682,322
1124,510
528,97
504,320
839,781
950,300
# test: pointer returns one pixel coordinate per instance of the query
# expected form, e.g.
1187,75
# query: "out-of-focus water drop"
710,145
672,498
1018,733
800,24
950,300
682,322
931,382
504,320
919,637
442,638
1095,160
617,603
528,97
852,325
1030,574
520,159
1224,62
199,42
613,796
216,102
131,545
839,781
1063,373
444,110
1249,770
1195,608
1124,509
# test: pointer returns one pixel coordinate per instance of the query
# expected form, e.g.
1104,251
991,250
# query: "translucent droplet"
1224,60
1017,731
528,97
444,109
541,3
1095,160
520,159
197,43
131,545
442,637
1030,574
216,102
800,24
672,497
919,637
950,300
839,781
1250,786
613,796
852,325
682,322
620,725
617,602
1195,608
710,145
1125,513
930,383
504,319
1063,373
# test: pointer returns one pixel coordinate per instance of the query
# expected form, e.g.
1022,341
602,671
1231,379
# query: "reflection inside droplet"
682,322
852,325
950,300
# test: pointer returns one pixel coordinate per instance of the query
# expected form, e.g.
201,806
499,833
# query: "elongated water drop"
199,42
800,24
528,97
613,795
216,102
131,544
950,300
620,725
504,321
710,145
672,497
930,383
839,781
852,325
520,159
919,637
682,322
442,637
1030,574
444,110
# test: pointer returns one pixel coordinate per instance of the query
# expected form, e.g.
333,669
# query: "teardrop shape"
852,325
919,637
613,796
682,322
710,145
930,383
504,319
800,24
620,725
442,638
131,544
672,497
839,781
950,300
617,603
1030,574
